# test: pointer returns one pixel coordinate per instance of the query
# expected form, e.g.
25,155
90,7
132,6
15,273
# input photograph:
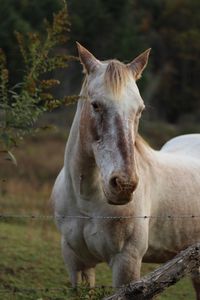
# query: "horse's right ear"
89,62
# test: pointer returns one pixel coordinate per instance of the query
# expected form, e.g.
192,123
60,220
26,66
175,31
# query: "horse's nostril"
122,185
114,182
118,183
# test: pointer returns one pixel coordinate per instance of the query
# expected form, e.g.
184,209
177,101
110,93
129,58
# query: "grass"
32,263
31,266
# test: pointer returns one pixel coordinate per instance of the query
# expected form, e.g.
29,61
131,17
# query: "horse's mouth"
121,202
117,199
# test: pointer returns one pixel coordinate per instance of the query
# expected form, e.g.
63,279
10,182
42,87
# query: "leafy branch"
22,104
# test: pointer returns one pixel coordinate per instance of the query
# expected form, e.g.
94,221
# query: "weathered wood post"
157,281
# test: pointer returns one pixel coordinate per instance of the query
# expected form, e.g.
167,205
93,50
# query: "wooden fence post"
168,274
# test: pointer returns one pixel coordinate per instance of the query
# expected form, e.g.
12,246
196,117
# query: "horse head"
109,120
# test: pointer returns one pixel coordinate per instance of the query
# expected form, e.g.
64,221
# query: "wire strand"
62,217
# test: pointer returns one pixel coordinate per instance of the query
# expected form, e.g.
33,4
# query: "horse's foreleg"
125,268
196,283
73,264
78,272
88,276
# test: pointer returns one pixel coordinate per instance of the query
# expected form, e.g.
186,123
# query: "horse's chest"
73,232
99,239
105,238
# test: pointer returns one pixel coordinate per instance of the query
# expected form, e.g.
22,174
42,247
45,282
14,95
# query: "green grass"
31,267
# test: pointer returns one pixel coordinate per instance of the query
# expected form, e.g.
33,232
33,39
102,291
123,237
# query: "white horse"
109,171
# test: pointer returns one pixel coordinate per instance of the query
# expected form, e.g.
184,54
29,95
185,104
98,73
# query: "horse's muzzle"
121,189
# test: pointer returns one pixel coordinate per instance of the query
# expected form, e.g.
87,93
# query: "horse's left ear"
139,63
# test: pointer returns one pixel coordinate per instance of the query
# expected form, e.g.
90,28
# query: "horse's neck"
73,135
79,166
146,169
167,179
157,175
145,159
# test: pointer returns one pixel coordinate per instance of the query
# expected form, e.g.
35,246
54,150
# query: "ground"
31,266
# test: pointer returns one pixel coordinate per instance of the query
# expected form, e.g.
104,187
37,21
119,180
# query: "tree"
22,16
154,283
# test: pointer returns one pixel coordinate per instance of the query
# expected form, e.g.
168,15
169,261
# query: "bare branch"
166,275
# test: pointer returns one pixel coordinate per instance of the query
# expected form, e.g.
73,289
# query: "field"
31,266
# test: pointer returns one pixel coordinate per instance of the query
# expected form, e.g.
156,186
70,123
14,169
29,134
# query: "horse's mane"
116,76
143,148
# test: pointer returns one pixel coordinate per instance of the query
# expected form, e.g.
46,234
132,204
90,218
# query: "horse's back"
188,144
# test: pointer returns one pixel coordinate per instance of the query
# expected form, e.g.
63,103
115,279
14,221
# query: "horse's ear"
139,63
89,62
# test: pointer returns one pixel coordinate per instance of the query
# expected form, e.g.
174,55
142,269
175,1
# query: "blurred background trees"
122,29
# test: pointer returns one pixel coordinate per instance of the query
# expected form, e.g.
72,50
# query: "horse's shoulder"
57,191
188,144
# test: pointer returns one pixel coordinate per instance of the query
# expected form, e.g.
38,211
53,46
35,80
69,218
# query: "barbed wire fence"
86,217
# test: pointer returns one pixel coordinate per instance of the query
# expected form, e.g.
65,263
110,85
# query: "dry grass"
27,186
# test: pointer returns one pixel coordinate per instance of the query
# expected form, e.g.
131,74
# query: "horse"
112,179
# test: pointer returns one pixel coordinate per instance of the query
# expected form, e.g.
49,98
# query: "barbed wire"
62,217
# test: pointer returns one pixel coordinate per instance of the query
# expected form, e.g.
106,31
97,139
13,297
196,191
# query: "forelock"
111,80
116,76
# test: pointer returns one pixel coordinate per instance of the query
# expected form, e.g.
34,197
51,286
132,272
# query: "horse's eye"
96,106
